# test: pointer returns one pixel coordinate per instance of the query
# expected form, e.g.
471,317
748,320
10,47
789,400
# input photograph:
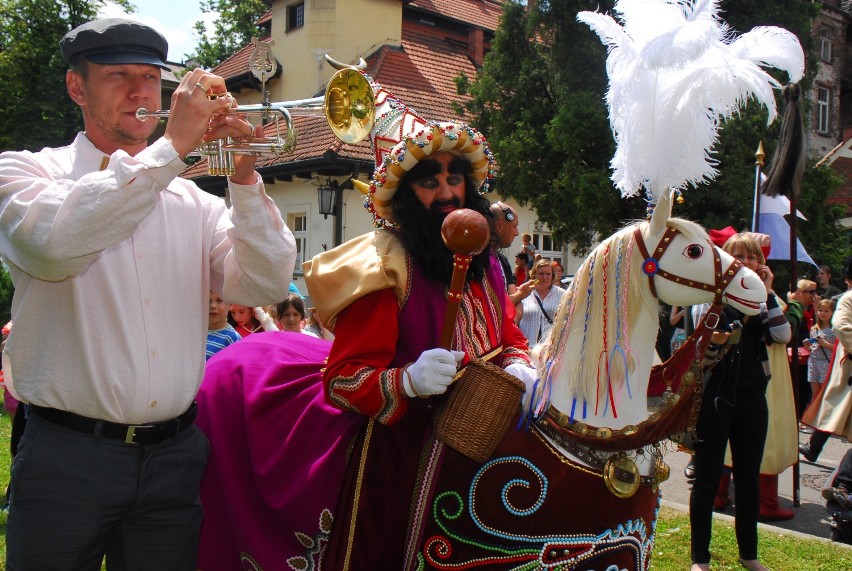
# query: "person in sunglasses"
806,295
504,230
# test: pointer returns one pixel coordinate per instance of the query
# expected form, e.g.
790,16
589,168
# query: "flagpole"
758,166
794,342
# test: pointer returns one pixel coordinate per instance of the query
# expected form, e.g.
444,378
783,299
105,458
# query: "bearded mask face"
419,225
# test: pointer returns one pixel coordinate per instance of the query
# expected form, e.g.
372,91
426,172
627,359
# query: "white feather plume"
675,71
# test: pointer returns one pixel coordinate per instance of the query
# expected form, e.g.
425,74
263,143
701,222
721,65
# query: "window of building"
825,44
823,108
545,246
295,16
298,224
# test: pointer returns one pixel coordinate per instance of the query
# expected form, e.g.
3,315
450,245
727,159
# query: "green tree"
6,291
37,111
539,98
235,27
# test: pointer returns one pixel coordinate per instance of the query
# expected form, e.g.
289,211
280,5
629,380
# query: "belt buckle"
131,432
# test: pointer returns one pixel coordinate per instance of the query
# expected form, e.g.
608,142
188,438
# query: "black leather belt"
150,433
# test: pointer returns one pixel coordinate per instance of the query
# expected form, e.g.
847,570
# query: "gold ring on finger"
199,85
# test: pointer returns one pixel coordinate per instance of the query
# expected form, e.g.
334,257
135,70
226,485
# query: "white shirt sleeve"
54,226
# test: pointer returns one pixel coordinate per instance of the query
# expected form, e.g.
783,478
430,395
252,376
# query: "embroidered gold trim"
358,482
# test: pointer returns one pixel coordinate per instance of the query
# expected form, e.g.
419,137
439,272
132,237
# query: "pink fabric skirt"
277,454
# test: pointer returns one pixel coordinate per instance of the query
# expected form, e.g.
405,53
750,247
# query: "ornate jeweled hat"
401,138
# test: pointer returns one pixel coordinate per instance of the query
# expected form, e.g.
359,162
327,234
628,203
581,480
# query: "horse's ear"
662,213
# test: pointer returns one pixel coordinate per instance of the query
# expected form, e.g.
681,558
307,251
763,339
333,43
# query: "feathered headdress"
675,71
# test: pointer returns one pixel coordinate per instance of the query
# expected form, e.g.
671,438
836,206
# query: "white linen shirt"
112,271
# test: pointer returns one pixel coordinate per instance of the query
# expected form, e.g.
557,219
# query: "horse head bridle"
620,473
651,266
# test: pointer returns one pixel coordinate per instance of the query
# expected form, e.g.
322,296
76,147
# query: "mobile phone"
736,330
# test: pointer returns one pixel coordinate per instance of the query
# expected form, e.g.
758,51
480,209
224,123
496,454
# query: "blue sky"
172,18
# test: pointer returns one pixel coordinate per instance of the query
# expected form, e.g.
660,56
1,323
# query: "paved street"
810,516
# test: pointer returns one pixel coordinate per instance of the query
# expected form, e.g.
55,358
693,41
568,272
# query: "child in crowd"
521,268
528,249
220,334
248,320
677,319
291,314
821,344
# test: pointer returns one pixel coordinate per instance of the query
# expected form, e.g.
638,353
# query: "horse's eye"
693,251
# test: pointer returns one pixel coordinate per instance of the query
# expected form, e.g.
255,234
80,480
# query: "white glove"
528,375
432,373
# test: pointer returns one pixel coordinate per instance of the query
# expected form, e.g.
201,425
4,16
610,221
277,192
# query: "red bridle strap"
651,266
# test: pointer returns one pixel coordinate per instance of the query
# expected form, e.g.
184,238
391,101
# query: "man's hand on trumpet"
237,126
191,110
194,118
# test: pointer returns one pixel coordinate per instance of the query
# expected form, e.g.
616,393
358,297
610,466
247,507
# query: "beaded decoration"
509,549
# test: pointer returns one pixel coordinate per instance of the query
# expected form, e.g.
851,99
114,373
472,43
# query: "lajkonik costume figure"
340,468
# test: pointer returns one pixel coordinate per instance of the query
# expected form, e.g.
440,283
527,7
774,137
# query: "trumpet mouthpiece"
142,114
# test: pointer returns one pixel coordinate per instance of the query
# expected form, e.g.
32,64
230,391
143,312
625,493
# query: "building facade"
413,48
830,118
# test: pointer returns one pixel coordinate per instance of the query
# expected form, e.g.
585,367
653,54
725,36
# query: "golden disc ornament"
621,476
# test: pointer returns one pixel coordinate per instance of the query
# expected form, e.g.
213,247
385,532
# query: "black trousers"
817,442
78,497
744,423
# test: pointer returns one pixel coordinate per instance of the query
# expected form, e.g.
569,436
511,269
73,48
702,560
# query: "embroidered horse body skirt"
528,507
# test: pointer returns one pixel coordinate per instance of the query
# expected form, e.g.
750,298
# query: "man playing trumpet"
112,256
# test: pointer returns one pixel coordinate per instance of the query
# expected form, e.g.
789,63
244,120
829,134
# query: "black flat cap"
115,41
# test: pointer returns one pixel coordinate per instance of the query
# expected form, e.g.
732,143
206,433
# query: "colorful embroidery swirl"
513,551
314,545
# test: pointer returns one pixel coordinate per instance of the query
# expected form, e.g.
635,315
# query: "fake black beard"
420,232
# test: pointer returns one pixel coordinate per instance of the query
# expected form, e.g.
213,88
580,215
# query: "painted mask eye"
693,251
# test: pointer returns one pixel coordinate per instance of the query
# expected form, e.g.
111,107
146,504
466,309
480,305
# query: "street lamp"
327,198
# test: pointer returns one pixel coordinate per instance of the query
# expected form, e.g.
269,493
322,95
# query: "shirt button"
147,300
139,254
153,352
153,404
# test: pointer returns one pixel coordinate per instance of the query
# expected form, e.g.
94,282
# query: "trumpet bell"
349,106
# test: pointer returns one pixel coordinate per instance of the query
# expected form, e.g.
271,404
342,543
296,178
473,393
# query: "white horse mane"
590,332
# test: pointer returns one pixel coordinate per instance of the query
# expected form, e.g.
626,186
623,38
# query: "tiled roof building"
438,40
413,48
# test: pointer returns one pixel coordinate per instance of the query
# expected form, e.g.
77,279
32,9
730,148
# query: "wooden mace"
466,234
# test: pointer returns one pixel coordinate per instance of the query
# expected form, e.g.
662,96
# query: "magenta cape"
277,455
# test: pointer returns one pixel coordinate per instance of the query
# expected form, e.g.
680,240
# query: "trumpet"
348,105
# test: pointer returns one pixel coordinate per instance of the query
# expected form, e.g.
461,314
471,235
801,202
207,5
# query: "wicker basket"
480,407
